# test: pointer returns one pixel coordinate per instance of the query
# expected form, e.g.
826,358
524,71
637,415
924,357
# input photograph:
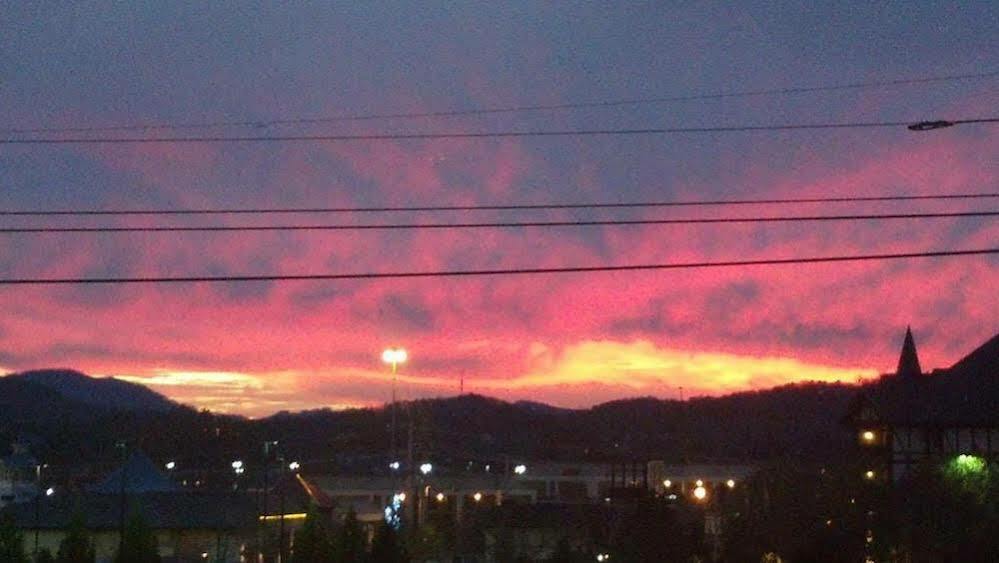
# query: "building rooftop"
965,394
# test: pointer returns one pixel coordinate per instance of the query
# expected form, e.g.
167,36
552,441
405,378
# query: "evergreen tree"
76,547
563,553
385,546
313,542
139,544
349,546
11,542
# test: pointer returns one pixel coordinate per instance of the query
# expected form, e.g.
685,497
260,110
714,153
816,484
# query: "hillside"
99,392
800,420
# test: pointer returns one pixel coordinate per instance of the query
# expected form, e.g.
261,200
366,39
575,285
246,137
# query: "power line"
915,125
500,224
496,272
508,109
510,207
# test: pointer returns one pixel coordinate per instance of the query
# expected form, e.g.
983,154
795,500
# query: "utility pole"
38,502
122,506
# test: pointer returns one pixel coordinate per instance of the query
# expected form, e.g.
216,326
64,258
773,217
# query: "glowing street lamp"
667,484
867,436
394,466
730,483
440,497
170,465
237,467
426,468
700,493
294,466
869,474
49,492
520,469
477,496
394,356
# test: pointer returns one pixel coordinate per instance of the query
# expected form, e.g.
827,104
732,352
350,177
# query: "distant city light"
477,496
294,466
171,464
237,464
671,497
520,469
700,493
49,492
730,483
668,484
394,466
426,468
869,474
440,497
603,557
868,436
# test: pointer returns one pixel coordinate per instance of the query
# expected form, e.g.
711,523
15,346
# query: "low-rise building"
910,417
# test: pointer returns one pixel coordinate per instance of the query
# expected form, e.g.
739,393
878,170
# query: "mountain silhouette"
103,392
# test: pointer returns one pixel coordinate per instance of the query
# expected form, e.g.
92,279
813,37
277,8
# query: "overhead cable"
499,224
433,135
492,272
499,207
269,122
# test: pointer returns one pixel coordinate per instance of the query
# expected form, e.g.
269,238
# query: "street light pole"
394,357
38,502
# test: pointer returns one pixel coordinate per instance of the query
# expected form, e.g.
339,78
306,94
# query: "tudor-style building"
911,416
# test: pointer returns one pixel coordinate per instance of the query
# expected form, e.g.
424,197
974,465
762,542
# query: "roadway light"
477,496
394,356
426,468
440,497
520,469
667,484
294,466
699,483
700,493
730,483
49,492
869,475
171,464
603,557
867,436
237,464
394,466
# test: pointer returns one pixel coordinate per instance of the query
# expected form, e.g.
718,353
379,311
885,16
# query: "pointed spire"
908,362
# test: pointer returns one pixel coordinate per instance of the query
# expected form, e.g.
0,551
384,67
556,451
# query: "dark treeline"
800,420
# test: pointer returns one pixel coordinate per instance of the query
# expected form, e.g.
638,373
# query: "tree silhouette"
349,545
11,542
139,543
76,547
385,546
313,542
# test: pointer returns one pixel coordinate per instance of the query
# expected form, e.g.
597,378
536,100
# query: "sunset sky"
570,340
